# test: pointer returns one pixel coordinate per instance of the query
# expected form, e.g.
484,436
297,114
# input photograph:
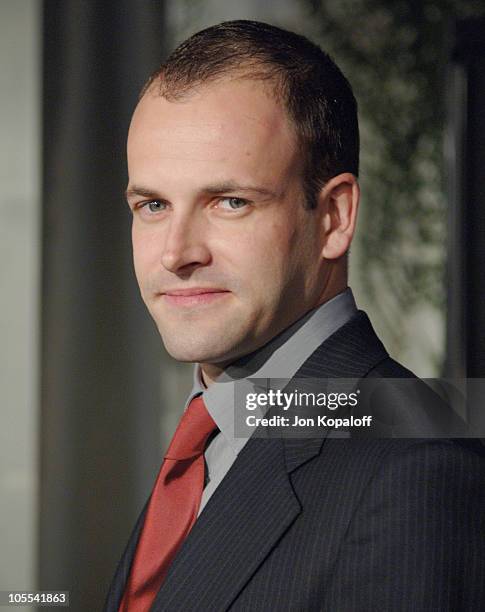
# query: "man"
243,158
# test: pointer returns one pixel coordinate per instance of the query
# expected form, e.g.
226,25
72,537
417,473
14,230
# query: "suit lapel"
118,583
351,352
247,514
255,504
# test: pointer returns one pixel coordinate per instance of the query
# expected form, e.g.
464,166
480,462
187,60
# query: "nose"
185,246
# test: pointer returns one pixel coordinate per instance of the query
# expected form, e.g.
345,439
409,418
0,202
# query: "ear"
339,199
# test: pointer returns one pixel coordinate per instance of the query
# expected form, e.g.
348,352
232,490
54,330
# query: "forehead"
227,126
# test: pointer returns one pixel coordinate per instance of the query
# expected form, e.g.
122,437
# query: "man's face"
225,253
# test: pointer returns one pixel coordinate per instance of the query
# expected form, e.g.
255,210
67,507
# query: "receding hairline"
303,79
255,70
175,88
154,89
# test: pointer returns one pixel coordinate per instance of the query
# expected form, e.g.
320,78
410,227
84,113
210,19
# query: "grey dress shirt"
279,358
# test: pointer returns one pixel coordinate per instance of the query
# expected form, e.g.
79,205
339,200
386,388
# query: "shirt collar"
281,357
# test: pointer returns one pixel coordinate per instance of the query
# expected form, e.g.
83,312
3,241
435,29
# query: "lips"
194,296
194,291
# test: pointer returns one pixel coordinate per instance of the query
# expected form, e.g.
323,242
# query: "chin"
190,351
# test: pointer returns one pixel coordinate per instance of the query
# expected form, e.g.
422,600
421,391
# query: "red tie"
172,508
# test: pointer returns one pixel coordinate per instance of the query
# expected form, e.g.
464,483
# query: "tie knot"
190,437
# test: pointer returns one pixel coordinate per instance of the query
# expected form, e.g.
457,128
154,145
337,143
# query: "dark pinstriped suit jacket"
335,524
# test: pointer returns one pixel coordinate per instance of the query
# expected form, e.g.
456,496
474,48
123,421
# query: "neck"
336,281
210,372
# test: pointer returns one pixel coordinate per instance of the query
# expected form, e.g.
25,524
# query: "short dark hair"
317,96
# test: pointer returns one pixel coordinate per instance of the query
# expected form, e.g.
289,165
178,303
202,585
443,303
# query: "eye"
232,203
154,206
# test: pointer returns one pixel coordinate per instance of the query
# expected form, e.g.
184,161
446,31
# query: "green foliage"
395,54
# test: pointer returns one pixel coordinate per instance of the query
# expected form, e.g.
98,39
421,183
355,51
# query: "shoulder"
390,368
417,520
372,462
370,473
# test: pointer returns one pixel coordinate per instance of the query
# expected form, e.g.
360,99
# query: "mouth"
196,296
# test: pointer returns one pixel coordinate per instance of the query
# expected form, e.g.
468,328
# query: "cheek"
274,235
146,255
278,245
292,255
266,246
144,246
269,253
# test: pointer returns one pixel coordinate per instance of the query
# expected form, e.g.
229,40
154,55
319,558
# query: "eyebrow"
233,186
140,191
224,187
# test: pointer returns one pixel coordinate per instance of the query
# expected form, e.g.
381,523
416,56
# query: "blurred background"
88,395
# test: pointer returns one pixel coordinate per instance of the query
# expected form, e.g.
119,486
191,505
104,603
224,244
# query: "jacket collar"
351,352
255,503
